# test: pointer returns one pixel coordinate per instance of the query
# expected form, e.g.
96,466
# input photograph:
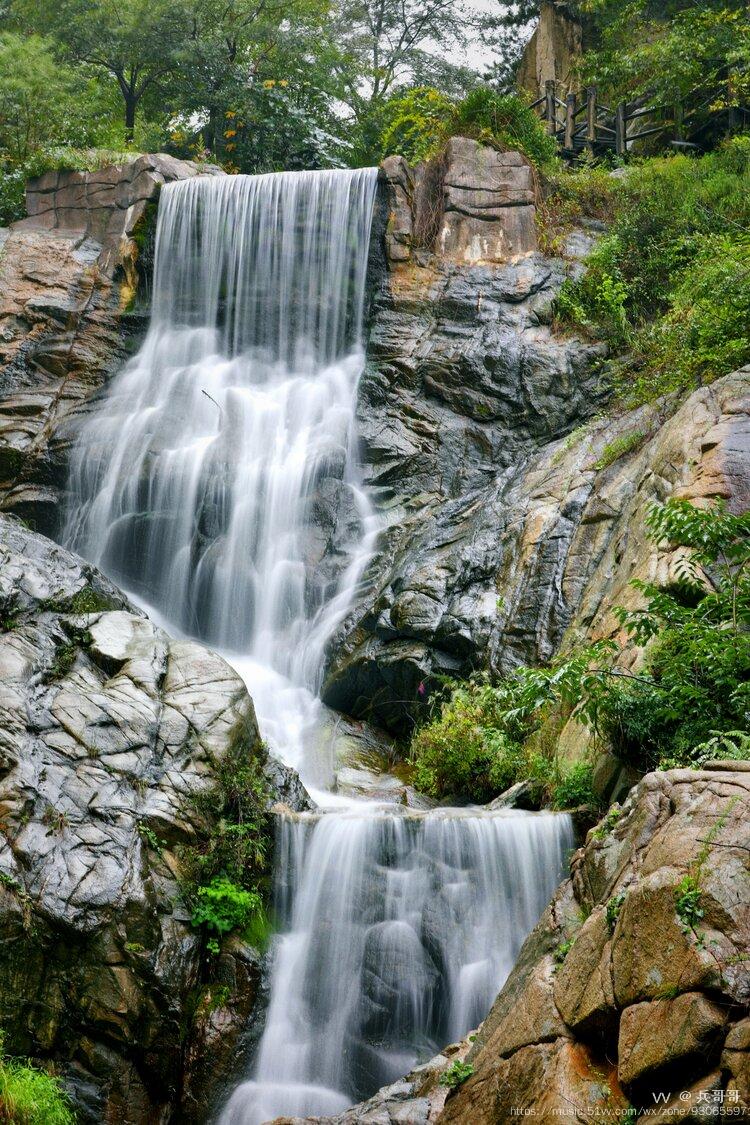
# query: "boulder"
666,1037
113,737
565,1025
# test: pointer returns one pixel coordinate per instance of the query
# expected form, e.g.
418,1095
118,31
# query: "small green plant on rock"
605,826
687,901
456,1074
612,910
618,448
562,951
222,907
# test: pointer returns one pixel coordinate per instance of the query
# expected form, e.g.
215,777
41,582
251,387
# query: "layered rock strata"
69,278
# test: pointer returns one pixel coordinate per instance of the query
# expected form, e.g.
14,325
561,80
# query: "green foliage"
573,787
562,951
226,871
607,823
612,910
29,1096
456,1074
415,123
696,683
505,120
418,122
222,907
477,744
687,903
618,448
698,54
671,280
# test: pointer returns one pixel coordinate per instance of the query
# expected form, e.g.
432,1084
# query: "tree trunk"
130,106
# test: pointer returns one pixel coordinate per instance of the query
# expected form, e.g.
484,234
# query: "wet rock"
69,278
614,990
111,734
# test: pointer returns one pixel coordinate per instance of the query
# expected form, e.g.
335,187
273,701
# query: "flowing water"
217,480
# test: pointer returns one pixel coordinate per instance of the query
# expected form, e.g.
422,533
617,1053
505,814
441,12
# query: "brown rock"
657,1037
735,1062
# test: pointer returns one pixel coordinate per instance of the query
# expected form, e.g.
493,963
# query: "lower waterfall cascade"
217,479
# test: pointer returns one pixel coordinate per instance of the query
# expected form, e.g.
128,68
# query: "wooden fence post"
621,130
570,120
591,118
549,106
679,119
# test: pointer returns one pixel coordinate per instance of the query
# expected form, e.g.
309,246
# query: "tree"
36,95
241,49
390,44
137,43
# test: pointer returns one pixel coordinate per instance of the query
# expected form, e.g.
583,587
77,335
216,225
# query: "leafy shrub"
471,749
418,122
29,1096
479,743
507,120
696,680
415,123
671,279
222,906
574,787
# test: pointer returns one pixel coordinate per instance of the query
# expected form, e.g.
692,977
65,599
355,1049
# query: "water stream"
216,479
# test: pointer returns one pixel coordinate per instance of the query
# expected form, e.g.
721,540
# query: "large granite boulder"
72,276
112,738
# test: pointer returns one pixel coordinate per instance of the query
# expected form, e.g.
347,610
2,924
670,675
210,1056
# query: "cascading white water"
398,933
201,481
217,480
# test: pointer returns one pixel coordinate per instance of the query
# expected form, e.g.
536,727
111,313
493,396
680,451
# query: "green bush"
417,123
29,1096
222,907
670,281
507,120
574,787
471,750
696,680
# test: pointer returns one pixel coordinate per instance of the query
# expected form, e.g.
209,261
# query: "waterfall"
397,933
216,478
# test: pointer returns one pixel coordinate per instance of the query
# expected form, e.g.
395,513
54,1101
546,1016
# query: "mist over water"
216,479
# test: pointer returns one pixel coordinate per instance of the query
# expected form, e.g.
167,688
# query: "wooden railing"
584,123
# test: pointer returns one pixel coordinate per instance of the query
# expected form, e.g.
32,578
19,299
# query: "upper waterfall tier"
216,479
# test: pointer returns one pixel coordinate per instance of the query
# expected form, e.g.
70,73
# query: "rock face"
466,384
551,53
69,275
513,516
110,733
623,996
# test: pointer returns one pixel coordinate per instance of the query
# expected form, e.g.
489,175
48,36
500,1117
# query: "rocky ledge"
110,733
